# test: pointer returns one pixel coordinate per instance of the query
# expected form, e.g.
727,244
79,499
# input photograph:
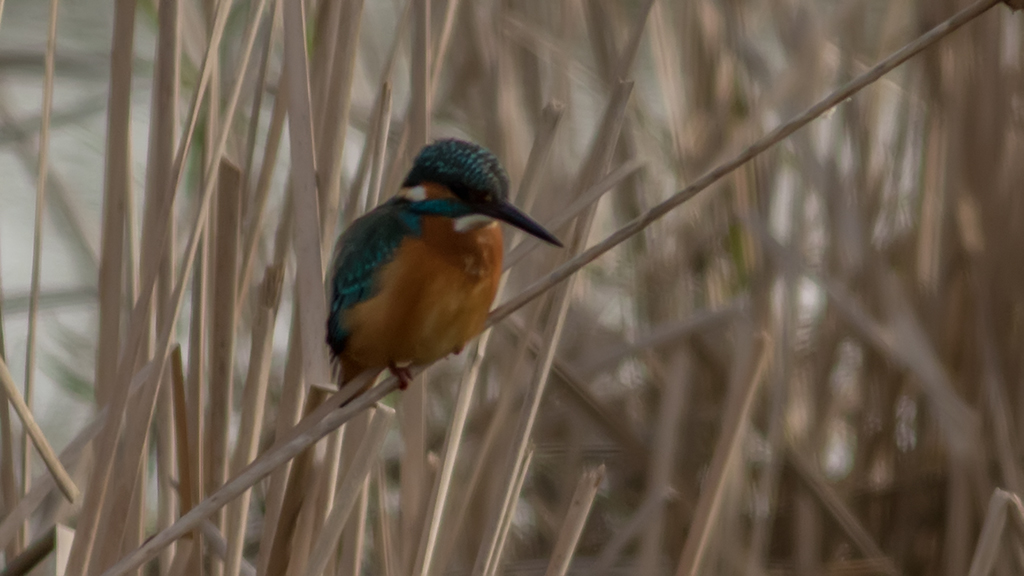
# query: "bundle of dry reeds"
785,335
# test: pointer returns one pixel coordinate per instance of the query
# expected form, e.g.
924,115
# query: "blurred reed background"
813,366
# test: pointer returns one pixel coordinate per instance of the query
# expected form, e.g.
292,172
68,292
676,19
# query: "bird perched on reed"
413,280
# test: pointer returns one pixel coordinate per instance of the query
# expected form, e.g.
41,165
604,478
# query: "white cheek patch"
472,222
416,193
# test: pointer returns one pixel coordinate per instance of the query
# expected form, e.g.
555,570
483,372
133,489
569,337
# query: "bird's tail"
345,371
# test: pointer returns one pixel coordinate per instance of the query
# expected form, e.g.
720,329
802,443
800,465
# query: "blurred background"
814,366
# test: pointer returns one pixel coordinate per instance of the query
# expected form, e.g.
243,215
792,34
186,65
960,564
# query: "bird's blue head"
476,178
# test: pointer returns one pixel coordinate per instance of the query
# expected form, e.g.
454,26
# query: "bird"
413,280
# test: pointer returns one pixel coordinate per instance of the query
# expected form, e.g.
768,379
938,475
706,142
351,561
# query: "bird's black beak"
505,211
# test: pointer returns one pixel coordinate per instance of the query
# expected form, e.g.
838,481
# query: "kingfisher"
413,280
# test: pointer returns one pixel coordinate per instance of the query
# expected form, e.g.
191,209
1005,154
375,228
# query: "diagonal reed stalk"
760,146
575,518
745,382
32,430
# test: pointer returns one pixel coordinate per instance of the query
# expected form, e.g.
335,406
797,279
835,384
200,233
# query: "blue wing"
366,246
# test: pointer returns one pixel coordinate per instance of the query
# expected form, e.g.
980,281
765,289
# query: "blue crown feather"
463,167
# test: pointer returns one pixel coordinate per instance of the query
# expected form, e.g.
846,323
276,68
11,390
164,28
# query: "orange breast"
434,297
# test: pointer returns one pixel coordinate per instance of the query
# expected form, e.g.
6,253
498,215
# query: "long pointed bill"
506,212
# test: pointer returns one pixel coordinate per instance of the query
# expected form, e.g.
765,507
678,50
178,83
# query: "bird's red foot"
403,374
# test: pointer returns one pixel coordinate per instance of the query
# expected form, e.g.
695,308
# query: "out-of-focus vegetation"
813,366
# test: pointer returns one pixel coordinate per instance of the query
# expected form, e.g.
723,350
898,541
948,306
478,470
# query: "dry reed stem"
37,247
758,147
257,207
356,200
195,386
70,457
350,558
651,506
158,166
131,247
547,128
32,429
259,90
930,231
224,272
294,528
667,67
507,513
315,479
288,413
310,272
453,441
34,555
328,17
220,548
999,404
677,382
839,511
575,519
182,558
335,119
383,533
414,479
421,64
46,555
253,406
349,489
186,477
130,458
381,128
443,42
353,542
8,482
116,181
745,382
135,517
770,483
59,192
999,505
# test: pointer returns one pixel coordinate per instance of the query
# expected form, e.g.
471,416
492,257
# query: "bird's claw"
403,374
